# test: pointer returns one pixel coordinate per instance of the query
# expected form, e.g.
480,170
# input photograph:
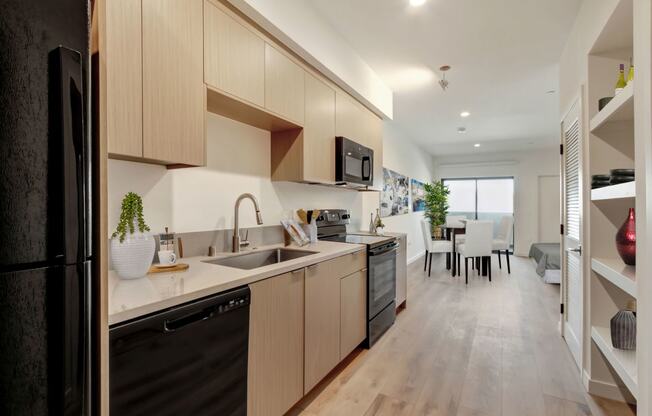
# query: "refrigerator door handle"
69,145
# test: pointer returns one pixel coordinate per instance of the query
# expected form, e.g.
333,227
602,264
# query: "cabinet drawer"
349,263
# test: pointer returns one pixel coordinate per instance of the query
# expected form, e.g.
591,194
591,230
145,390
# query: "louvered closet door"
571,291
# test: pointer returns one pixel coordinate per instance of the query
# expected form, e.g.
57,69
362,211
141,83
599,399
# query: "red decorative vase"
626,239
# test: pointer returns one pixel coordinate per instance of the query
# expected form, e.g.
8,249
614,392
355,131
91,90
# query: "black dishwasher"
188,360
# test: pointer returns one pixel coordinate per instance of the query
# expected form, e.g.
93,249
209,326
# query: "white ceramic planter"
132,258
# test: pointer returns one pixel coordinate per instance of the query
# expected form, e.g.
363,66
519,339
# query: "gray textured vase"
623,330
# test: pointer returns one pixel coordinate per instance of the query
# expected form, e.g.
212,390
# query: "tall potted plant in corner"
132,246
436,206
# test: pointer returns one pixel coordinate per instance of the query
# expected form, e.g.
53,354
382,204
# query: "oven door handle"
384,250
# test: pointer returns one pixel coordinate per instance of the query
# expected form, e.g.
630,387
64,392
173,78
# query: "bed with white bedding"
547,261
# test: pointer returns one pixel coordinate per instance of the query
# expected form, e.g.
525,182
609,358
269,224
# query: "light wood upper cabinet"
322,322
284,85
319,132
308,155
234,57
122,56
350,120
374,139
353,315
174,95
276,342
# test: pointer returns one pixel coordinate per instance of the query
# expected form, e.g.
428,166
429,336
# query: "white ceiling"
504,56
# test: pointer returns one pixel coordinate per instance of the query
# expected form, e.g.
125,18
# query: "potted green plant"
132,246
436,201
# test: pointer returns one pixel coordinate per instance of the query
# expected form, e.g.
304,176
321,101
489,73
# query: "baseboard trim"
417,257
607,390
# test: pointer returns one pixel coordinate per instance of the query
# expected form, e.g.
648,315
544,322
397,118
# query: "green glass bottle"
620,84
630,75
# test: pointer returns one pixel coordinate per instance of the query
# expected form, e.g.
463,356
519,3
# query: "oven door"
382,278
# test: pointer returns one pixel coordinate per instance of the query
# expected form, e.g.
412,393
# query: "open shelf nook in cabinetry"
611,143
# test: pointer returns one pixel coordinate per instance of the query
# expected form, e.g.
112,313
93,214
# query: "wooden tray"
179,267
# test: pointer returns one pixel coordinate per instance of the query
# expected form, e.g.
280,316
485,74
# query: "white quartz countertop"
129,299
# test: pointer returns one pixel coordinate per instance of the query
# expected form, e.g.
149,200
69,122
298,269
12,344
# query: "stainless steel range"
381,269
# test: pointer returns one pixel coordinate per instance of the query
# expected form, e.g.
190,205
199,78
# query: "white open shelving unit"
616,272
623,362
611,144
620,191
620,108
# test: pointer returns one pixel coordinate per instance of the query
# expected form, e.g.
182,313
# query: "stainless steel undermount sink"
255,259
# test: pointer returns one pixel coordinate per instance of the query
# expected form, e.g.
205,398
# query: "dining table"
451,231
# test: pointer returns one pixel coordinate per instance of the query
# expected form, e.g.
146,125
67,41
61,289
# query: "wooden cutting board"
179,267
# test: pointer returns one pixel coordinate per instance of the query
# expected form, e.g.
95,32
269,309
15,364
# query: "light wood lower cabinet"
301,325
322,322
275,378
353,311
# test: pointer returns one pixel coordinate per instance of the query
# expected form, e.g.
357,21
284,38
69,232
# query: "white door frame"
574,341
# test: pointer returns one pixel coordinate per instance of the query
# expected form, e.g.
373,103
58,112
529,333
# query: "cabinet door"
374,140
353,316
284,85
234,57
122,57
322,322
174,97
275,377
350,120
319,132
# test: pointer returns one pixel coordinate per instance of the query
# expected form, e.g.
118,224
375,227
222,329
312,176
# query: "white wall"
401,155
525,167
573,66
238,160
202,199
309,35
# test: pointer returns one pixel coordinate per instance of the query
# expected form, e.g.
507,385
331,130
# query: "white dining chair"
454,221
478,244
433,246
503,239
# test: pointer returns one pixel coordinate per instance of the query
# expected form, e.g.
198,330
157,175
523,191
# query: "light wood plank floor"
482,350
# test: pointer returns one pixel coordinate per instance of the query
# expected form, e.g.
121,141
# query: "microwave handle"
366,160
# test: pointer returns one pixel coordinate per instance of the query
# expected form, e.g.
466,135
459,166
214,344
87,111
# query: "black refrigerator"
46,222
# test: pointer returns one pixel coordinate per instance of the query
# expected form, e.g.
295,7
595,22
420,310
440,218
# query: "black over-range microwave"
354,163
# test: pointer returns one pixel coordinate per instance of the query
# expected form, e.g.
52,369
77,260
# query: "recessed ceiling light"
465,114
417,3
461,130
476,145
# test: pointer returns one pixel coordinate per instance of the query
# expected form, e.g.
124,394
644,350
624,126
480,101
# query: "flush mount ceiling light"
461,130
465,114
442,82
417,3
476,145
